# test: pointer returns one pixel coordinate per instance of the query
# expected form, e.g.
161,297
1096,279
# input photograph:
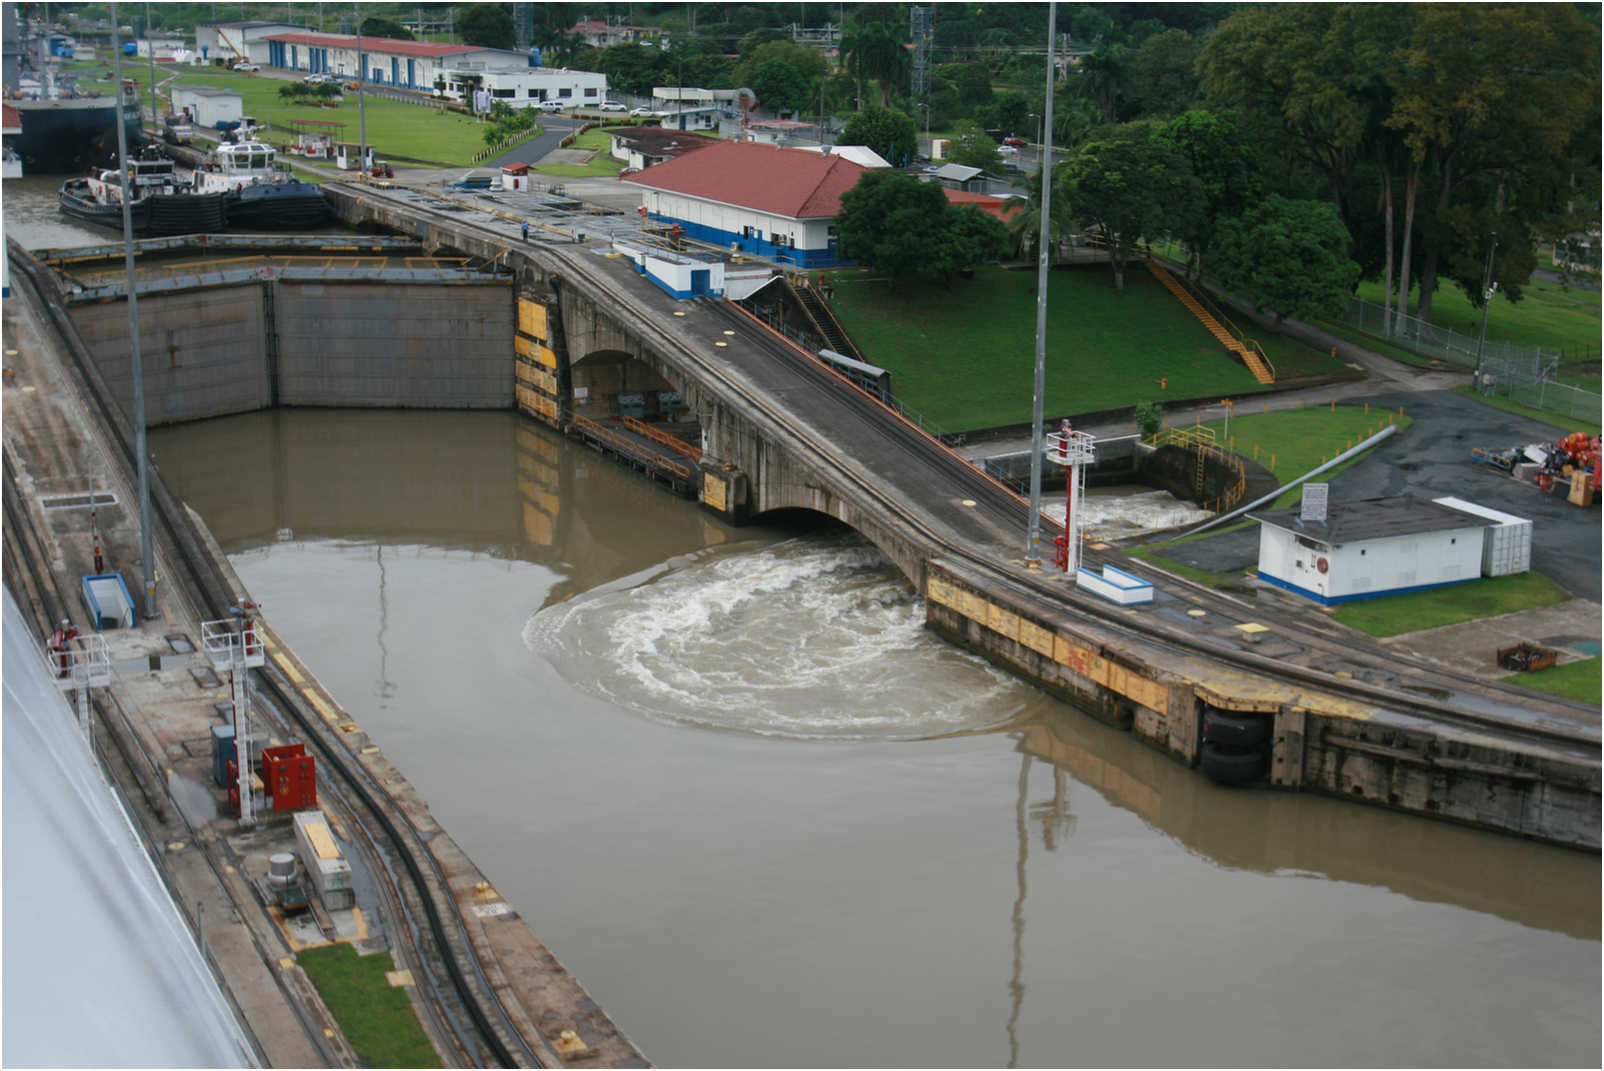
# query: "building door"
412,74
700,279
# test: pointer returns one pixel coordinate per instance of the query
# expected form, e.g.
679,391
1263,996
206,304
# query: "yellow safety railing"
1252,354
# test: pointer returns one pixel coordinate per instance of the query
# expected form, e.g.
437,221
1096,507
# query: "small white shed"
1378,546
208,106
1507,544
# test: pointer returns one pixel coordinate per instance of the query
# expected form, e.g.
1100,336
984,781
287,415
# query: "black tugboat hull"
277,206
157,216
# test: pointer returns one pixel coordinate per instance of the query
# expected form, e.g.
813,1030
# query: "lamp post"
1033,533
929,146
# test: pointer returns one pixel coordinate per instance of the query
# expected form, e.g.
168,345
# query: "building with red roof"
765,200
1004,208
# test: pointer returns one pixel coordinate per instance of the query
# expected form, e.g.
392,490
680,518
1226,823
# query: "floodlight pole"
1486,303
361,97
1033,536
147,560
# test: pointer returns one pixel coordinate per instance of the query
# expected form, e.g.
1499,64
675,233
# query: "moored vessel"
259,195
159,204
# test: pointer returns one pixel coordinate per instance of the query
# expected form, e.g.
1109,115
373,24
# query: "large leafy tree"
1103,78
780,86
633,68
810,61
1287,257
887,131
1164,82
376,26
1024,226
1224,164
489,25
907,229
1129,185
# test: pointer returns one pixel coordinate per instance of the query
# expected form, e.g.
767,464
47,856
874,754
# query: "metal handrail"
658,435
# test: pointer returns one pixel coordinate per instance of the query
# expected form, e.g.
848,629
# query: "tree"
1129,185
1224,164
1102,79
377,26
633,68
1287,257
889,133
489,25
1024,226
1163,75
781,87
972,147
874,55
907,229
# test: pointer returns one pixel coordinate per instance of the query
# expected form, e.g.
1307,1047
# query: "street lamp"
1488,288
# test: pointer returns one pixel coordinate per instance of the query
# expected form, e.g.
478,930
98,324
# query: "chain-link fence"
1532,383
1431,340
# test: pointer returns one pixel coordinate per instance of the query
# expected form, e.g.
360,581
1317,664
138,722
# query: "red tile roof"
1001,207
12,117
784,182
374,44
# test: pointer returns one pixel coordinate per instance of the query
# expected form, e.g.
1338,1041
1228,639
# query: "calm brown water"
769,821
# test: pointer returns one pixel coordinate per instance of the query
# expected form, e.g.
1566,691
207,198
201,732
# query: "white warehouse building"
458,71
1378,546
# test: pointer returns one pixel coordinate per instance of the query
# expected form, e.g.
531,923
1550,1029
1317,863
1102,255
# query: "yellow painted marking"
30,390
286,962
1099,546
322,705
399,978
1252,628
371,749
729,332
269,642
679,314
177,845
1197,613
969,502
322,843
716,344
11,353
289,669
327,1032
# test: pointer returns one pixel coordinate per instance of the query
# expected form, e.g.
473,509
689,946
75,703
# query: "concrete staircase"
824,320
1249,351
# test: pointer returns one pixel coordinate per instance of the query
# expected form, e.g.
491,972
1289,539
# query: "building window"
531,92
590,91
564,93
504,93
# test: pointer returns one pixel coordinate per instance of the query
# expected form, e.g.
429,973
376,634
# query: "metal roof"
1372,518
766,178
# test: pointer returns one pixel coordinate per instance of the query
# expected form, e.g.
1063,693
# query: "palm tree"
1102,78
1024,227
873,54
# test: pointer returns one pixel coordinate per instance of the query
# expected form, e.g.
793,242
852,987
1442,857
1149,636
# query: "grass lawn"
1291,442
1548,315
377,1017
600,165
963,357
1393,615
399,132
1581,681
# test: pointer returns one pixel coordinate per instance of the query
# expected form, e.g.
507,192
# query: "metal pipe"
1339,459
147,562
1033,538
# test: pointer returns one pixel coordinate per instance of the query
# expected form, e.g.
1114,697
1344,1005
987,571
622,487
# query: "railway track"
466,1001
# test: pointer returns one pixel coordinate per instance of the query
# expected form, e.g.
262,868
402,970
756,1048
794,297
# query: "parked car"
318,79
1015,141
641,111
553,105
250,68
612,106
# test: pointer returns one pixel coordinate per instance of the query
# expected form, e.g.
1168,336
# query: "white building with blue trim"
764,200
1379,546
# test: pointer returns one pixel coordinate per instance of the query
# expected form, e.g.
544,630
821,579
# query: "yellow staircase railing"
1252,354
1201,442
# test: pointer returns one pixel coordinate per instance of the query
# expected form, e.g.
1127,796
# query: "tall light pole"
361,97
1033,537
1487,289
147,560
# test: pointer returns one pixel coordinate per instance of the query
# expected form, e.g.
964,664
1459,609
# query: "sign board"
1315,497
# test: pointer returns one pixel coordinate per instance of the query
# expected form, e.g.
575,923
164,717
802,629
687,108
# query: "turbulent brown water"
768,820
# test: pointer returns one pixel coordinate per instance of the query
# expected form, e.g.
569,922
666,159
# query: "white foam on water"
814,637
1117,512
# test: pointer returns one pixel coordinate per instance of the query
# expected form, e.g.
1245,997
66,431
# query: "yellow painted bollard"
1300,403
1367,409
1231,445
1333,405
1255,451
1400,411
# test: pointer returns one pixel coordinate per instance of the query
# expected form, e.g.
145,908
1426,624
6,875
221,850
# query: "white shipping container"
1506,545
328,871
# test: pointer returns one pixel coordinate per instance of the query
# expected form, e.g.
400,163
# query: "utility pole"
141,454
1488,287
1033,538
150,44
361,96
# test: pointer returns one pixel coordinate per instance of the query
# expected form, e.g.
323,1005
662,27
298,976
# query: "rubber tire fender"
1236,730
1233,767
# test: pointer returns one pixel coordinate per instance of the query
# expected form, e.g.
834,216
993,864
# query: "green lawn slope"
962,357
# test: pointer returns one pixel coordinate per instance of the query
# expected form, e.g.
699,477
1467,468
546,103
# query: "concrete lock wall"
202,353
239,349
373,344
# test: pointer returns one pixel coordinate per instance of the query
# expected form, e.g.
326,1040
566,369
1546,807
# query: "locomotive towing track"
486,990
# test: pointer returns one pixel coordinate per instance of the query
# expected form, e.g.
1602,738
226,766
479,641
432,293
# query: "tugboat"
159,205
258,194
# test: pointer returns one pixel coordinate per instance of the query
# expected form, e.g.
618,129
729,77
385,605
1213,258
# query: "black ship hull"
67,137
157,216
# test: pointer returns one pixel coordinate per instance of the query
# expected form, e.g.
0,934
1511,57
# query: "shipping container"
109,604
1506,545
326,869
